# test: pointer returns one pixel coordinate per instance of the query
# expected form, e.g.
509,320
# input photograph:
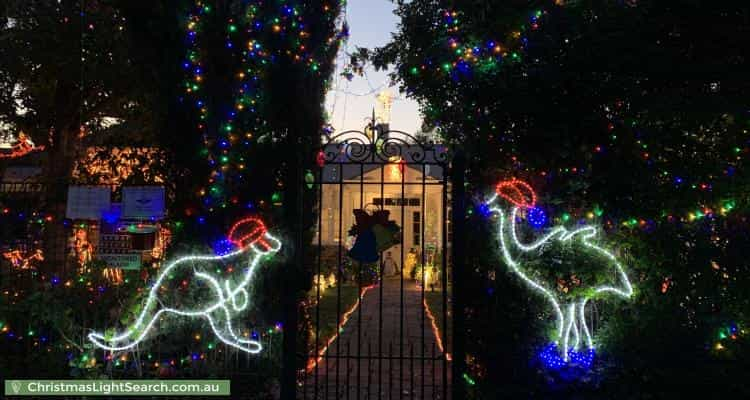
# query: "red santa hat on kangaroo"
250,232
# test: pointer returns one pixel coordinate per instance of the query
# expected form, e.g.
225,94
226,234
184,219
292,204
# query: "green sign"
61,387
126,261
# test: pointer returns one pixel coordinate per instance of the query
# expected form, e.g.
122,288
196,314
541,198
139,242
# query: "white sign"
142,202
87,202
126,261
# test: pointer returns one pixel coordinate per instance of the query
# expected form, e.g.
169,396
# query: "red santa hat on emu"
517,192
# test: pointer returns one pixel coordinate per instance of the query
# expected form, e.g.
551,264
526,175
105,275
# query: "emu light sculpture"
572,329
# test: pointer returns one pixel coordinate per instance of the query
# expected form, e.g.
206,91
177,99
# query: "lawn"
434,300
328,306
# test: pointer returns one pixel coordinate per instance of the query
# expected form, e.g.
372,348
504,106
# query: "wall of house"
355,193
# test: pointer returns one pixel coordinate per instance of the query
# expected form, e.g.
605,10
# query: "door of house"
377,321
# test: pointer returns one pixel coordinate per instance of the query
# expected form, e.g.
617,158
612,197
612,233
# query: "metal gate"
377,320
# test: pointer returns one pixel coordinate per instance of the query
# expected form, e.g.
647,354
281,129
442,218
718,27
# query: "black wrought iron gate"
378,321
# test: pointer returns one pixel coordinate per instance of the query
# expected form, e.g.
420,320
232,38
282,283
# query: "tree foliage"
633,110
66,84
116,68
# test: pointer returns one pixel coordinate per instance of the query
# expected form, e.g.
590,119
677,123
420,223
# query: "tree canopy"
623,97
628,114
61,73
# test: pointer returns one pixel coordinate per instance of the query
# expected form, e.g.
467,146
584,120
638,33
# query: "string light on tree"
24,261
728,336
466,55
264,35
15,148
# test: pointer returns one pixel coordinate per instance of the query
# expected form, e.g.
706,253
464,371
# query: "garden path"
405,361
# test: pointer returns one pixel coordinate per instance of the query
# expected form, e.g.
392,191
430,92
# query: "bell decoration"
374,234
385,236
365,248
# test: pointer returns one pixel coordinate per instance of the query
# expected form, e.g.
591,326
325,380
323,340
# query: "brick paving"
387,367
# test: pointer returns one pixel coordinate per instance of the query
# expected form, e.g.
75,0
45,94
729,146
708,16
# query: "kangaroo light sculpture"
219,300
571,328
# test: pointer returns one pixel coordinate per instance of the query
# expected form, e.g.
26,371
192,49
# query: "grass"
434,300
328,308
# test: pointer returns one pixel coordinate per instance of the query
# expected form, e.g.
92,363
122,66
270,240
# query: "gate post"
293,215
458,247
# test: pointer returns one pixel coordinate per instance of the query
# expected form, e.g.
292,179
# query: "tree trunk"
300,120
62,147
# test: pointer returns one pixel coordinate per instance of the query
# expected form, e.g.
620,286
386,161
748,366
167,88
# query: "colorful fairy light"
32,217
258,38
458,46
722,208
727,335
572,328
24,261
464,56
460,55
230,298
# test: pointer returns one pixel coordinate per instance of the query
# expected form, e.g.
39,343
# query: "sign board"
87,202
142,202
116,251
127,261
114,244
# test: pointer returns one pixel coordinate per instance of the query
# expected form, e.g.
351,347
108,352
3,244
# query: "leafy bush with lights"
598,119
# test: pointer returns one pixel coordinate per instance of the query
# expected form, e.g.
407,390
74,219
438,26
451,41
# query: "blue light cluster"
551,359
112,216
223,247
583,359
484,210
536,217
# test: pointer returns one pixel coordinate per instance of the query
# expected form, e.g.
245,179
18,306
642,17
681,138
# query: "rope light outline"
268,245
574,310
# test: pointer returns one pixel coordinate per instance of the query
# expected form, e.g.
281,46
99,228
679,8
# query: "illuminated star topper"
572,329
216,299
